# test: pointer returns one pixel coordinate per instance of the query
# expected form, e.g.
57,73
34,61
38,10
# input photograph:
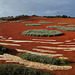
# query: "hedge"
4,21
15,69
26,22
41,59
63,23
45,22
42,33
14,21
62,28
33,24
71,25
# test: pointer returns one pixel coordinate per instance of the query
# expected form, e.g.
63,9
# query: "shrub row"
41,59
63,23
33,24
42,33
4,21
45,22
14,21
44,59
62,28
26,22
15,69
71,25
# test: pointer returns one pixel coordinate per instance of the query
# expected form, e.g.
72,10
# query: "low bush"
63,23
14,21
45,22
62,28
44,59
71,25
42,33
33,24
41,59
26,22
3,50
4,21
15,69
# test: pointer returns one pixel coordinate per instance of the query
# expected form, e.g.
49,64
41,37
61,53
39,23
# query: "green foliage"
64,61
41,59
15,69
63,23
26,22
58,16
62,28
34,15
3,50
33,24
14,21
71,25
42,33
45,22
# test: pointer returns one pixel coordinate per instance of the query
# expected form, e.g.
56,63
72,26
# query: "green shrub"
45,22
62,28
42,33
71,25
3,50
26,22
41,59
63,23
14,21
15,69
4,21
33,24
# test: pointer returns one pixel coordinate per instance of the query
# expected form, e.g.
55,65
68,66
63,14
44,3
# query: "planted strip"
16,69
26,22
71,25
45,22
62,28
33,24
14,21
42,33
63,23
41,59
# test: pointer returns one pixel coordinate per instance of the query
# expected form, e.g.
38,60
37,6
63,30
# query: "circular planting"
42,33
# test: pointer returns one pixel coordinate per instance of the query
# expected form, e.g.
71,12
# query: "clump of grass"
3,50
63,23
71,25
16,69
14,21
41,59
4,21
62,28
42,21
46,22
26,22
33,24
42,33
44,59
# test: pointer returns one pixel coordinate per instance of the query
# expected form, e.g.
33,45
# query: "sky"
37,7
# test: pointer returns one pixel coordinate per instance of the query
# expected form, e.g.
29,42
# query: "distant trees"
58,16
19,16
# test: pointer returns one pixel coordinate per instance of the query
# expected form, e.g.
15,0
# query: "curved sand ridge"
11,59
